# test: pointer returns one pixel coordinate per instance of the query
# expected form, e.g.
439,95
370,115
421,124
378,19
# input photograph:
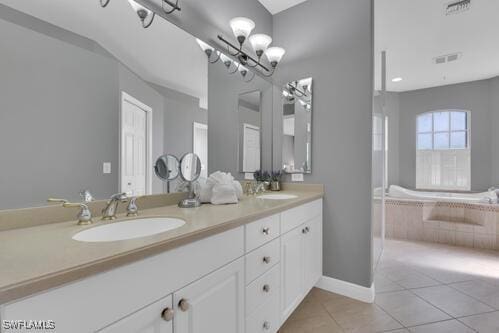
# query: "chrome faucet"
84,216
495,189
260,187
109,212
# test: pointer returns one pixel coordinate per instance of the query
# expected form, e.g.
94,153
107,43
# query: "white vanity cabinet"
301,256
214,303
245,280
155,318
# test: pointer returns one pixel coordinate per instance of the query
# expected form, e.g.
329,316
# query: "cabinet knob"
183,305
167,314
266,325
266,288
305,230
266,259
266,230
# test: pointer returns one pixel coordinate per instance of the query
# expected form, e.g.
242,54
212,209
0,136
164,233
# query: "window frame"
449,131
467,149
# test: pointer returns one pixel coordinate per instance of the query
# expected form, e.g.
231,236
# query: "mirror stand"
191,201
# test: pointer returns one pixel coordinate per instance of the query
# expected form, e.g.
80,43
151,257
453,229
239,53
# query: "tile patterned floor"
420,288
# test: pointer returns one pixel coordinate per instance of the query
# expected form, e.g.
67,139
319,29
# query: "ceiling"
276,6
414,32
162,54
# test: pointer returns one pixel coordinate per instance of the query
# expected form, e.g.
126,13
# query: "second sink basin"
277,196
130,229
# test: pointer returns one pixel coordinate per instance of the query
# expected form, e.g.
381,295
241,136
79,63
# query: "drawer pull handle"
305,230
266,230
183,305
266,325
266,260
167,314
266,288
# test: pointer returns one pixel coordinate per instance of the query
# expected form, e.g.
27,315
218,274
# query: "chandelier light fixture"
242,28
146,15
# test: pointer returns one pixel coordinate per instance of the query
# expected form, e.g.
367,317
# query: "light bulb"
274,55
241,27
136,7
260,43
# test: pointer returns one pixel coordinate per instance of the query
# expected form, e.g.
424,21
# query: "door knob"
167,314
266,259
266,230
183,305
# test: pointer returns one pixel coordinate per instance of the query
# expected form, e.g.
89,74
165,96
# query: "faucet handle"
86,196
119,196
63,201
132,209
84,216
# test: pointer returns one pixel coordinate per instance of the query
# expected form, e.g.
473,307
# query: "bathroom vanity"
236,268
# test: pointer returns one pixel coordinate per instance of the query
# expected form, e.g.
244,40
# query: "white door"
291,271
146,320
133,148
312,252
251,148
214,303
200,146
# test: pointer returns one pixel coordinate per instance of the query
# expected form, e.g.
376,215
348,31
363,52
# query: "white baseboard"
347,289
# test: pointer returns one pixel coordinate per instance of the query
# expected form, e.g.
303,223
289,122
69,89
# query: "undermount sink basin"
277,196
130,229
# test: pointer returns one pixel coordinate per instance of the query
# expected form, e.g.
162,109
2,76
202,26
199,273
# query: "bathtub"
403,193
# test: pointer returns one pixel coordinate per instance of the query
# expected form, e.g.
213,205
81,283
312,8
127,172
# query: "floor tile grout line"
475,298
331,316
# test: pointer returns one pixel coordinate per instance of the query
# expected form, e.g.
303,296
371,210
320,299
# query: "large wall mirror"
296,136
92,101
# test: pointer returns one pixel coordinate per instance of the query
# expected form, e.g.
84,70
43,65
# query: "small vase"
275,186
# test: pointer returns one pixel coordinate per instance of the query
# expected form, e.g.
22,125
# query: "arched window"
443,150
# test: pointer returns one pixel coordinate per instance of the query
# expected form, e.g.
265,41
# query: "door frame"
253,127
125,97
196,125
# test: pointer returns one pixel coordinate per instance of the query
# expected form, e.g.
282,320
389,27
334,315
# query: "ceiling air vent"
447,58
457,7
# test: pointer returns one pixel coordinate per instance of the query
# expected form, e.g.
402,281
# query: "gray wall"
334,47
58,107
223,132
52,76
478,97
494,110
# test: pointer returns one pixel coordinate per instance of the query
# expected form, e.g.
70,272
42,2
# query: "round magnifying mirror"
167,167
190,167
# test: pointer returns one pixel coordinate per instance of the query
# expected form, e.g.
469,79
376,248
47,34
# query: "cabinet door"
214,303
312,252
291,271
154,318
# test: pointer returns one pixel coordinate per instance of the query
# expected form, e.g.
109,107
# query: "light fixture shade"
243,70
275,54
204,46
225,60
136,7
260,42
242,27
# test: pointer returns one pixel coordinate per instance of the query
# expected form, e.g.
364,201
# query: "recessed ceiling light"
397,79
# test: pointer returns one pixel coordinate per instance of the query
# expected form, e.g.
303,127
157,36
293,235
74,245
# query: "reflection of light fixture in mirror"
242,28
244,73
397,79
226,60
208,50
143,13
305,105
295,90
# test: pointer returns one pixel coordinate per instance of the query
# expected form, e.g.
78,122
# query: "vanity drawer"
262,259
293,217
262,231
266,318
262,289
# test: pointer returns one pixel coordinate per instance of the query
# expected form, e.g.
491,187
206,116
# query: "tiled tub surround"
461,224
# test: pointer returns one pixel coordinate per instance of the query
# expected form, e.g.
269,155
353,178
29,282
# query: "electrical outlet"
106,167
297,177
248,176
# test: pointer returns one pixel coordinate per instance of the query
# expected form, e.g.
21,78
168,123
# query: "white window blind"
443,150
